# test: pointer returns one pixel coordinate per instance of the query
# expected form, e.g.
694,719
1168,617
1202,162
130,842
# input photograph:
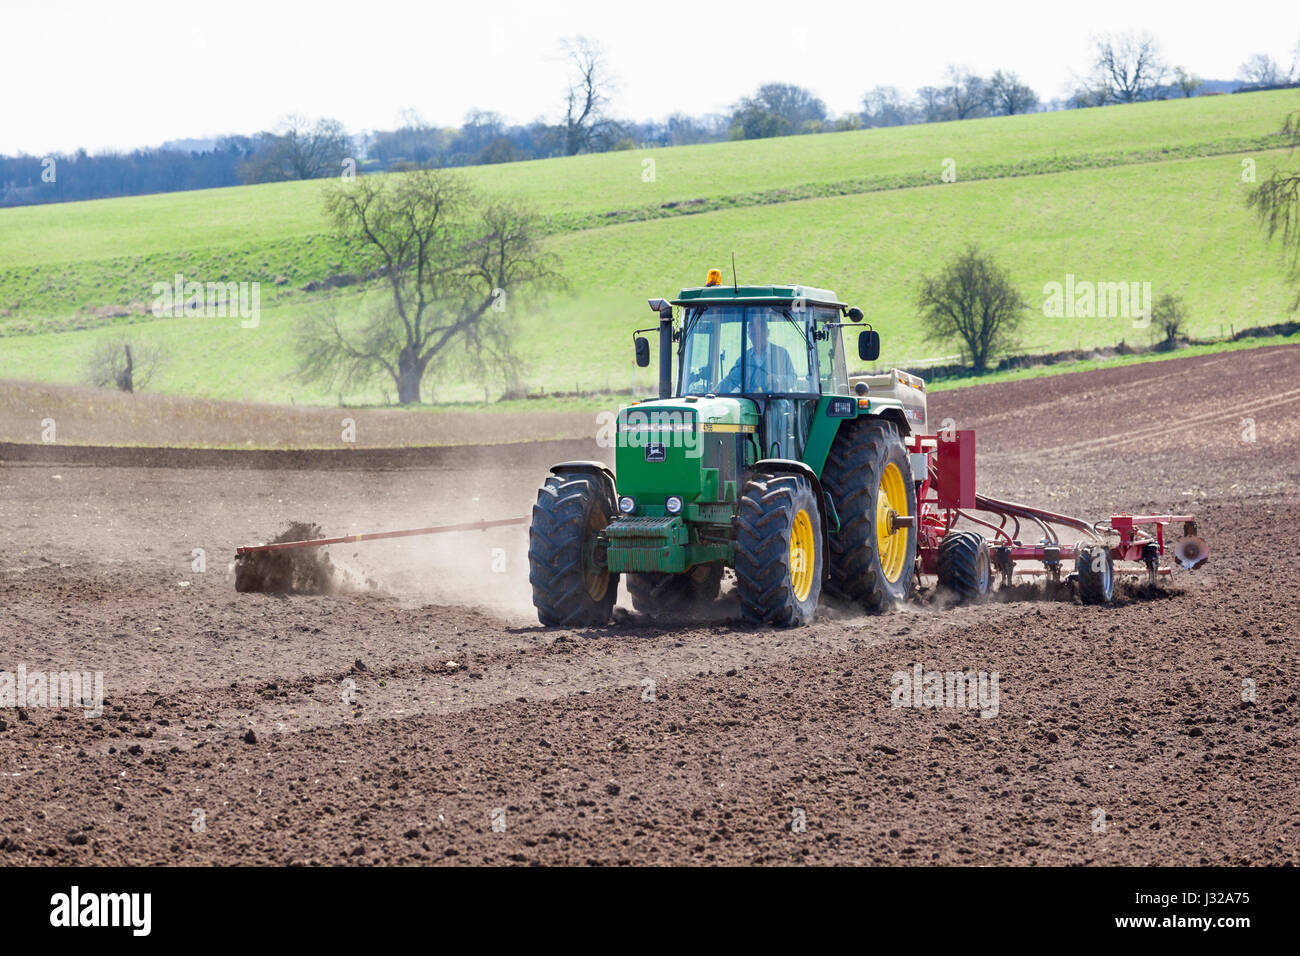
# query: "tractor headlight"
673,505
627,504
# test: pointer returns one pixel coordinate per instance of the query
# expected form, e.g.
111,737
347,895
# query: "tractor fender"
597,468
791,466
892,411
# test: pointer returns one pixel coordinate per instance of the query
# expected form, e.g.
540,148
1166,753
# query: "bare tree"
1276,202
1187,83
451,258
974,301
884,106
685,130
1261,70
932,104
1007,96
965,92
300,149
590,85
116,363
1126,68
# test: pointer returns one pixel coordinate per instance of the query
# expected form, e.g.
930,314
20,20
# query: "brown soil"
97,416
397,725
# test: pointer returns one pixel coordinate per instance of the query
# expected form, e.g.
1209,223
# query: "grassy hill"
1145,193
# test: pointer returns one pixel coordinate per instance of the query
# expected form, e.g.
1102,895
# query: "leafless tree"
1276,202
1007,96
590,86
452,259
965,92
116,363
974,301
1127,68
932,104
300,149
1261,70
884,106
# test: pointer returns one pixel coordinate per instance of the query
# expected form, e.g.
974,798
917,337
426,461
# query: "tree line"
1124,68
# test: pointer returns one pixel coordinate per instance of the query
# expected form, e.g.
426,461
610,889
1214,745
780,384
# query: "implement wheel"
869,477
571,587
654,594
1095,574
964,565
778,551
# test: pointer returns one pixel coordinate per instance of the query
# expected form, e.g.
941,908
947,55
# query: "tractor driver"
765,367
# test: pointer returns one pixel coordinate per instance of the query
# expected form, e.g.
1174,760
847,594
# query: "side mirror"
869,345
642,352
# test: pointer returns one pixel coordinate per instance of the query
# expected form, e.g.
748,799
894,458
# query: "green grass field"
1145,193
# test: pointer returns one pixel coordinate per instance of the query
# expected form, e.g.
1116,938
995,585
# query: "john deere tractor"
763,457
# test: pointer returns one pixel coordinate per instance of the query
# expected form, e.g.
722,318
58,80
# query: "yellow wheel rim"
803,555
892,544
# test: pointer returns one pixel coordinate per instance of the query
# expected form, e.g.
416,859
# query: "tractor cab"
779,356
756,369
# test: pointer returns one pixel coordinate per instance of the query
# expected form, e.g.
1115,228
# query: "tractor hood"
690,447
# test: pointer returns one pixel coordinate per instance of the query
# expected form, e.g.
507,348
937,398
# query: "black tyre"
571,588
654,594
1095,574
965,568
868,474
779,550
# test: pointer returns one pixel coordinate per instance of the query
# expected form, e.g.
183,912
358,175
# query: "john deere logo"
654,451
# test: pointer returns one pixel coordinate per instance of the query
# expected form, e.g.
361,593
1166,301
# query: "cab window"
830,353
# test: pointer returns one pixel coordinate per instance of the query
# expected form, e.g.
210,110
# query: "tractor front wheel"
779,551
571,586
654,593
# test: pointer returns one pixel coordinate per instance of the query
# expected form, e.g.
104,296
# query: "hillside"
1145,193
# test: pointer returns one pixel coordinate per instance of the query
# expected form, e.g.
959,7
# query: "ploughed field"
421,715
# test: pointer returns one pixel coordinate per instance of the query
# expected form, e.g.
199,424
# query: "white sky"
106,74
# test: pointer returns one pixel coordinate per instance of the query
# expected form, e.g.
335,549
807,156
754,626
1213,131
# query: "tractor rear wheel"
965,568
869,476
1095,574
654,593
571,586
779,550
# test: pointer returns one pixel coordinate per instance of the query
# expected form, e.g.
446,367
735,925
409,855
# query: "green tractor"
765,458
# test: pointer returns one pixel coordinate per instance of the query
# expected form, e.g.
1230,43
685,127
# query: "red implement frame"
947,493
380,535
